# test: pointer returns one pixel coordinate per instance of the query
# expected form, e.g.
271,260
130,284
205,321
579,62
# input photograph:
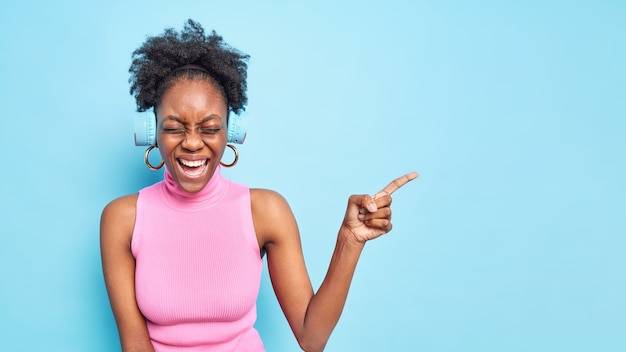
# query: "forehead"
193,94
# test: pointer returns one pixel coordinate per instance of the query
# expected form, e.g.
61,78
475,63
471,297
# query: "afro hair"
155,65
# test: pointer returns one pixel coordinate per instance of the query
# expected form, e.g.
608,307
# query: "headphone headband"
190,67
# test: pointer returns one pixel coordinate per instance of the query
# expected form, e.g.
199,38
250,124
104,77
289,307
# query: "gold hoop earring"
236,156
145,159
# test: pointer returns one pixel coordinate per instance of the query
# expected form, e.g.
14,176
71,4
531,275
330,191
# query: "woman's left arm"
313,316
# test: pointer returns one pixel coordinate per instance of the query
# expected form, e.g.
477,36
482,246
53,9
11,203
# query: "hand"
368,217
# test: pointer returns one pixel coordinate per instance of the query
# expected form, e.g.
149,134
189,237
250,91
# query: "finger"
381,224
396,184
381,213
383,201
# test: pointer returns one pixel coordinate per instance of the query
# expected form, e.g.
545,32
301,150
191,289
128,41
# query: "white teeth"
193,168
192,163
195,173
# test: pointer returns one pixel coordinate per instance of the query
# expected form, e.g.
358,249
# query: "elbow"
312,344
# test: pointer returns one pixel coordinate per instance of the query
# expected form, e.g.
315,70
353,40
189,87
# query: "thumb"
362,203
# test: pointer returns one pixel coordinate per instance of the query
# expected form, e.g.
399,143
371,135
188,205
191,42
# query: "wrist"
349,238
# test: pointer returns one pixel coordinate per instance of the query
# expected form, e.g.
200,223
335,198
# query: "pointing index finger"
396,184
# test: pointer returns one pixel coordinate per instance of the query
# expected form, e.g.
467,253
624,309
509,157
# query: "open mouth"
193,168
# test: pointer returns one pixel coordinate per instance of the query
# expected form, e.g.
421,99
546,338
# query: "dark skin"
191,136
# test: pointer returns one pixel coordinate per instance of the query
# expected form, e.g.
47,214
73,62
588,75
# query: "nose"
193,141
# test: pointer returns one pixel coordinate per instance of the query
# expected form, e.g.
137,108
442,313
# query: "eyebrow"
205,119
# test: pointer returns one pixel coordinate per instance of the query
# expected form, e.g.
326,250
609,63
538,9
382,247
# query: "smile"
192,168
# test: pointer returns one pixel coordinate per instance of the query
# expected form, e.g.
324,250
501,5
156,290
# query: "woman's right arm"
118,265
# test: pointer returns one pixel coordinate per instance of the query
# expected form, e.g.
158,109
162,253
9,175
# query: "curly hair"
155,63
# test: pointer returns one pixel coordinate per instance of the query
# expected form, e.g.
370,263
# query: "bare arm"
313,316
118,264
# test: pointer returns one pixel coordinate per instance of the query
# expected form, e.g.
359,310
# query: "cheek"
217,140
167,142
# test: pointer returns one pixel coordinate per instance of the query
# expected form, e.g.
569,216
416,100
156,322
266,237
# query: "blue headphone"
145,128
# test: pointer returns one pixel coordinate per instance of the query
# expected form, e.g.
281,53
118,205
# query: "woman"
182,259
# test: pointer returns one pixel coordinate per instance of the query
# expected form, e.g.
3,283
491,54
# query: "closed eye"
210,130
174,130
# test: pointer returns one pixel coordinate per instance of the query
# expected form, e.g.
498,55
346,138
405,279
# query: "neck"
209,194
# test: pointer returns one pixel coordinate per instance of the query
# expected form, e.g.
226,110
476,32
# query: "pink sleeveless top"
198,266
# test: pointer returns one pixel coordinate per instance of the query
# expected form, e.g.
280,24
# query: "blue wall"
513,238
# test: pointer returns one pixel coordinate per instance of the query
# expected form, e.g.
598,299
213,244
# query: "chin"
193,181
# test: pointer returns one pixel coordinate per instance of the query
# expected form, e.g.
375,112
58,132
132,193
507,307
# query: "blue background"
513,113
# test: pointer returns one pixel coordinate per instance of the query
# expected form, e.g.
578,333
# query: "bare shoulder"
121,207
118,217
271,214
265,198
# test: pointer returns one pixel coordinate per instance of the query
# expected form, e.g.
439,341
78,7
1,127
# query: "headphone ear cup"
145,129
237,127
